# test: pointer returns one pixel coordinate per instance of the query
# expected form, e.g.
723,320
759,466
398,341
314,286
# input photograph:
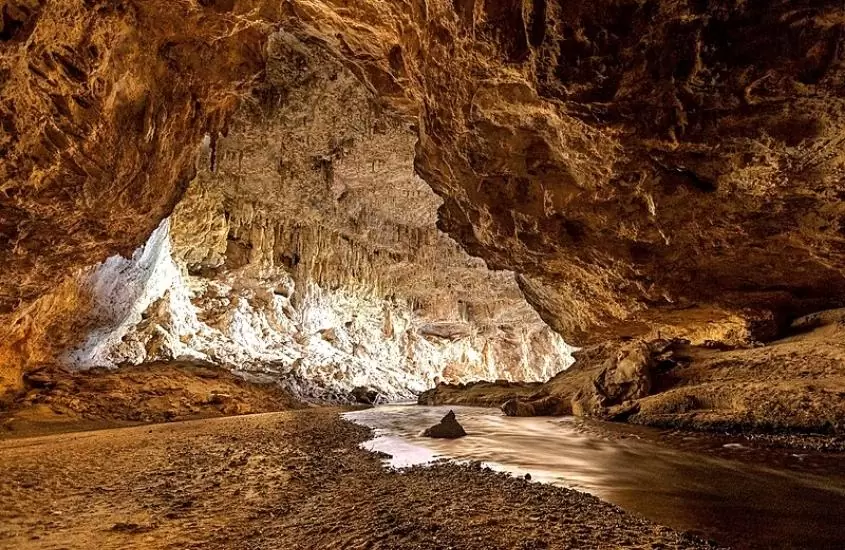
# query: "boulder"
626,377
365,395
447,428
517,407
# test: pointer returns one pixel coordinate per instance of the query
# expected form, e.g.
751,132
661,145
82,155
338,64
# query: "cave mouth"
663,183
632,191
305,252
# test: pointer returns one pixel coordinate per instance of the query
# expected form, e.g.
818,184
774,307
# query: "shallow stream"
745,504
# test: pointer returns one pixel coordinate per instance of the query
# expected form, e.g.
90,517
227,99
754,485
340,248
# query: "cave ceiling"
645,164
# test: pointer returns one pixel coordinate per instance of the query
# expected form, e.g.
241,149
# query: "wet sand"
293,480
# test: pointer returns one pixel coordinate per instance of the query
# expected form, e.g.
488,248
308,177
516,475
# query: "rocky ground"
55,399
293,479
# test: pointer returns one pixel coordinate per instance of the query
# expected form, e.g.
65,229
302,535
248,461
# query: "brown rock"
365,395
651,169
517,407
551,405
447,428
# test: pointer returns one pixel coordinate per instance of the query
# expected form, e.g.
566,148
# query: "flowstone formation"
652,170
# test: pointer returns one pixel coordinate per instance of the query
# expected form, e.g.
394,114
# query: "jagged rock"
624,377
329,335
517,407
480,394
603,380
449,331
650,106
40,379
216,398
447,428
365,395
428,396
622,412
332,281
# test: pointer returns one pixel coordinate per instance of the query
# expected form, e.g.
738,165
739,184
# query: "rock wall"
650,168
317,342
792,386
306,249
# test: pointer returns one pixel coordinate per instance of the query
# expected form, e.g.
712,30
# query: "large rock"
477,394
602,380
447,428
365,395
624,378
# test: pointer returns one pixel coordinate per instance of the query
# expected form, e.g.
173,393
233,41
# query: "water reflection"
744,505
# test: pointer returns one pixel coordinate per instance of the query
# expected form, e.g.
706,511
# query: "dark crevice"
702,184
538,24
16,23
681,175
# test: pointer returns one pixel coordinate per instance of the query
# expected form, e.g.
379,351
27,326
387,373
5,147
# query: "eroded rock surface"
57,399
652,169
794,385
478,393
306,249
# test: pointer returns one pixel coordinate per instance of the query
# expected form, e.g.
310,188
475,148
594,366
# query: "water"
743,504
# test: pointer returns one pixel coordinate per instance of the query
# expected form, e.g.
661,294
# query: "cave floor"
294,479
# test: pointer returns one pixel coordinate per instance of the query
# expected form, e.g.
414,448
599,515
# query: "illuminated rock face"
313,256
319,343
650,168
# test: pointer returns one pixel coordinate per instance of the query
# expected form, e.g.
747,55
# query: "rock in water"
365,395
448,428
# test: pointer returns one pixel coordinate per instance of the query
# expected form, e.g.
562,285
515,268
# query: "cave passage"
214,208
